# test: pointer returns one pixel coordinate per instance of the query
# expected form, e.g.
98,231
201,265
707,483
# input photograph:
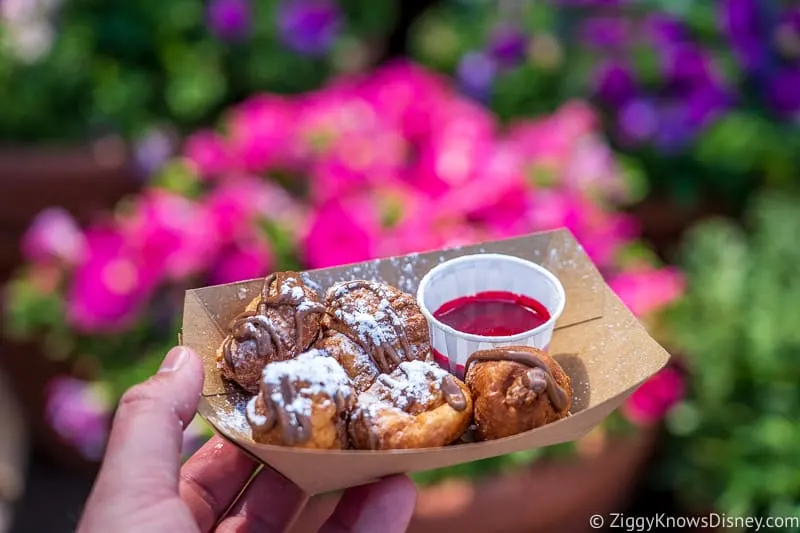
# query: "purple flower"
591,3
674,130
705,104
742,22
229,19
54,235
153,150
309,26
783,93
687,66
615,84
476,72
508,45
638,120
80,413
604,32
663,29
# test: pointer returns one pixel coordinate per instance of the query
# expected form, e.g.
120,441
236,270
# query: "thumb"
147,434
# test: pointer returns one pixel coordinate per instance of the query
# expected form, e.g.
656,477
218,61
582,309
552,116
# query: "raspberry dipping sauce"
490,314
486,300
493,314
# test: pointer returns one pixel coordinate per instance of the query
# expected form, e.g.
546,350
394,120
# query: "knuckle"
138,398
213,506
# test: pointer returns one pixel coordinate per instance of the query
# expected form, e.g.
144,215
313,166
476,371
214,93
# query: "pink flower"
496,197
233,206
592,170
355,160
207,152
54,236
325,116
543,145
563,148
80,413
407,96
655,397
577,118
110,285
601,233
249,259
453,155
646,290
343,231
261,133
424,234
171,230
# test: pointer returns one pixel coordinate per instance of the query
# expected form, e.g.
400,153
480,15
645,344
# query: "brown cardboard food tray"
600,344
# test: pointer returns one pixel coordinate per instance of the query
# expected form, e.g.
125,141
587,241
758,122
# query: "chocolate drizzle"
538,378
278,399
411,389
295,426
256,326
380,349
453,394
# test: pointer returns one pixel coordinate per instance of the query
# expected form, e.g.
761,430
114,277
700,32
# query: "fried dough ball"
356,362
385,322
516,389
419,405
303,402
277,325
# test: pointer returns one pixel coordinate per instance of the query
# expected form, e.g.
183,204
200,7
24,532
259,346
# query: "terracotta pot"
551,496
557,496
13,453
84,180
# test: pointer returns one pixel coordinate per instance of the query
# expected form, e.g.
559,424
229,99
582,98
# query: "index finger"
212,478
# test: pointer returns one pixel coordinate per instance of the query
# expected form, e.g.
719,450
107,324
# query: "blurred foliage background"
73,70
696,93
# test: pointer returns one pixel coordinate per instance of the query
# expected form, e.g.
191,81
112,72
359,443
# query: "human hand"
142,488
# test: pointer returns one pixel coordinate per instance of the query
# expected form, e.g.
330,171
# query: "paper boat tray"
603,348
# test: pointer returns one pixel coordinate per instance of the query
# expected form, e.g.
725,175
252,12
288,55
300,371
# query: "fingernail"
174,359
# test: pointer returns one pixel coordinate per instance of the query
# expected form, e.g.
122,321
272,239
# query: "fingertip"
401,488
386,505
182,371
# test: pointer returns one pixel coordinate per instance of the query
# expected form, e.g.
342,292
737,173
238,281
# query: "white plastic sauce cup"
472,274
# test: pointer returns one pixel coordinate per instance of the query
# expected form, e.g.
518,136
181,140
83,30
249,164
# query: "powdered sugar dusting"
288,285
311,284
234,421
305,305
414,382
316,374
370,328
253,415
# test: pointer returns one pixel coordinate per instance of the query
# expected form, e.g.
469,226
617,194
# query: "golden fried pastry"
356,362
419,405
282,322
384,321
515,389
302,402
